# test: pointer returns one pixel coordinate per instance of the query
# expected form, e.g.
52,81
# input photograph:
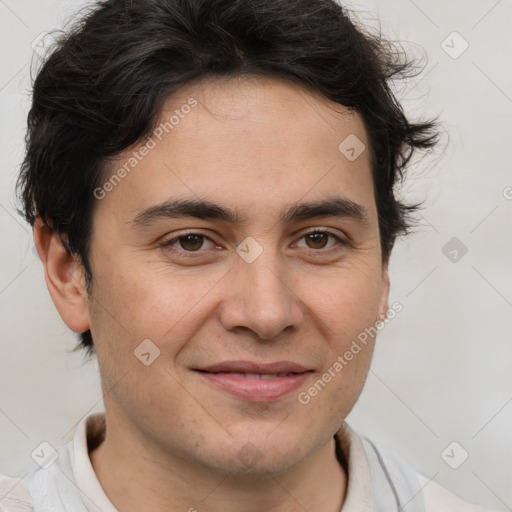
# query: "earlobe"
65,277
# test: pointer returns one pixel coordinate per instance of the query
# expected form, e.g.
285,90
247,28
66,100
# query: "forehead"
264,114
257,143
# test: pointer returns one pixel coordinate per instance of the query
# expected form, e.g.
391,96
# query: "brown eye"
319,240
191,242
316,240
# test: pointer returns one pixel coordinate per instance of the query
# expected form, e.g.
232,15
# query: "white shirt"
377,481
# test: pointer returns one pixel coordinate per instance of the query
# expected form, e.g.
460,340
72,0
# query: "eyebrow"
340,207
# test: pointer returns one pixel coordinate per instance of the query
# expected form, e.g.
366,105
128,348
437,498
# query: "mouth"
254,376
255,382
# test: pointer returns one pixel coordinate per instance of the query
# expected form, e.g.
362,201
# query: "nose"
261,298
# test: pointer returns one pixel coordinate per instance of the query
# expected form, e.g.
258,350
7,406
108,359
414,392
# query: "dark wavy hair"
104,83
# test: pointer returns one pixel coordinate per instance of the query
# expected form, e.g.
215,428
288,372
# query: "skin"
258,146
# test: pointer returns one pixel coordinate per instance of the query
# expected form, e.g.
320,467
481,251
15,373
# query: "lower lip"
256,390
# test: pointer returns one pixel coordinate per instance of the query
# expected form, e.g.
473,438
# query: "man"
211,189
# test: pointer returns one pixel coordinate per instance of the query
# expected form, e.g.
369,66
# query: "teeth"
266,376
255,376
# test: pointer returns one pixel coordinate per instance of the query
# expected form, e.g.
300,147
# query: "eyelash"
169,243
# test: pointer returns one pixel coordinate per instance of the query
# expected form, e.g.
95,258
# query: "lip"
230,376
253,367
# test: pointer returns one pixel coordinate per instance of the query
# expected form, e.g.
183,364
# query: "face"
240,242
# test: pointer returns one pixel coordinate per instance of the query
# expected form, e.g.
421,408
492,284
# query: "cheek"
163,307
150,302
343,304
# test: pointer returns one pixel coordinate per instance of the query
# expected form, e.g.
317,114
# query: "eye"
190,242
193,242
319,239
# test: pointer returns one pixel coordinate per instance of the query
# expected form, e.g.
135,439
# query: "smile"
254,376
255,382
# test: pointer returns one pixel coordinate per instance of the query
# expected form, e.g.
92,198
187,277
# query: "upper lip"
253,367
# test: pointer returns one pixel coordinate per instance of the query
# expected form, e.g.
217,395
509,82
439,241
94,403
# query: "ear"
65,277
384,297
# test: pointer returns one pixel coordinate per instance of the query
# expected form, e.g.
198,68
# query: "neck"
136,476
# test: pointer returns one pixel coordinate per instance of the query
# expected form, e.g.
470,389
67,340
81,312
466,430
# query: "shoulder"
440,499
14,495
412,489
49,487
54,485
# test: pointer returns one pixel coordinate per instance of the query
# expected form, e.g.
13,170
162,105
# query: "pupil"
187,242
318,237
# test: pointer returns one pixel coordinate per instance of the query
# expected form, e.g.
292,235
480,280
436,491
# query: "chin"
262,455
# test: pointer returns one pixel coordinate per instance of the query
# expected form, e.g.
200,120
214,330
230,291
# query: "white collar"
359,495
358,498
92,493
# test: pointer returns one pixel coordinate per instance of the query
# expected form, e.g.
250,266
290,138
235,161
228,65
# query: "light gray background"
442,367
